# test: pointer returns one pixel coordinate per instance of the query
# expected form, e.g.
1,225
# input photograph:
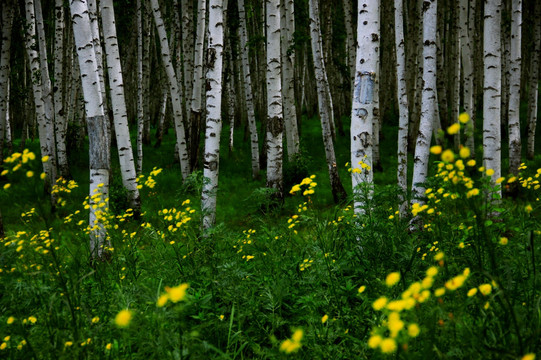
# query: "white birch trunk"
350,40
466,51
194,122
492,88
214,116
402,95
94,25
120,113
187,47
288,78
275,119
140,106
534,84
7,127
325,110
428,102
252,126
5,67
43,112
98,126
362,110
515,145
174,89
60,122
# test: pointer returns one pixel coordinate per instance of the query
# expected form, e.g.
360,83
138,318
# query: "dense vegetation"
302,279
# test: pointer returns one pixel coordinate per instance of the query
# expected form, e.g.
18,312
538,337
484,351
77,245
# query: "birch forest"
270,179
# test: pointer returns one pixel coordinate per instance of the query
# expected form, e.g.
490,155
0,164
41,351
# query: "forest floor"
303,279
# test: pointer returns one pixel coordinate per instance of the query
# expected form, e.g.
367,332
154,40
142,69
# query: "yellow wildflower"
380,303
464,118
374,341
448,156
530,356
178,293
453,129
413,330
485,289
388,346
123,318
436,149
464,152
324,318
361,289
472,292
504,240
10,320
392,279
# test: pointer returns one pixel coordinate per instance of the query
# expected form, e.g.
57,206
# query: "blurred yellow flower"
530,356
392,279
10,320
388,346
324,318
123,318
472,292
504,240
29,173
436,149
448,156
361,289
374,341
464,118
464,152
453,129
45,158
413,330
380,303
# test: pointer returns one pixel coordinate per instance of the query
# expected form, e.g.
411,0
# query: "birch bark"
252,126
275,119
43,111
60,123
362,113
534,83
515,145
338,191
492,88
466,30
428,102
140,103
402,95
5,67
120,113
174,89
214,108
98,127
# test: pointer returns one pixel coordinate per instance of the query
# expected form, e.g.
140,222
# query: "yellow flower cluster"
294,344
174,294
150,182
306,263
309,185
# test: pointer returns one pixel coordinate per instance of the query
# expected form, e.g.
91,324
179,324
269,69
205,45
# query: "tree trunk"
174,89
214,112
5,69
534,82
362,112
120,113
515,145
275,119
98,127
43,111
60,122
254,141
96,39
338,191
194,122
428,103
140,103
402,95
492,88
466,29
288,79
187,48
350,41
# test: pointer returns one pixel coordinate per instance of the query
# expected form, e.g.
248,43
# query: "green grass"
262,273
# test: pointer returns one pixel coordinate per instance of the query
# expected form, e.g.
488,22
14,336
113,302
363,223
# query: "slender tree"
250,109
428,102
194,122
140,102
60,123
98,127
120,113
492,88
214,108
43,111
362,111
5,66
338,191
534,81
275,119
515,145
466,29
402,95
174,89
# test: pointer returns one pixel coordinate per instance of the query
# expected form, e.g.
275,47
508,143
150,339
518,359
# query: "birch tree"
275,119
466,51
288,78
214,109
98,127
515,145
5,66
194,122
339,194
250,109
402,95
116,83
43,109
428,100
140,108
174,89
492,88
362,111
534,82
60,123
